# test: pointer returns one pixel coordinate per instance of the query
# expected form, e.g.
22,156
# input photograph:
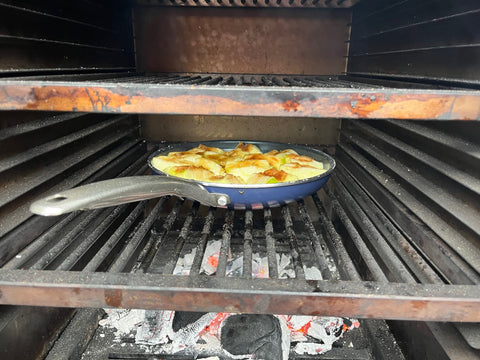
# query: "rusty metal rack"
374,264
358,96
254,3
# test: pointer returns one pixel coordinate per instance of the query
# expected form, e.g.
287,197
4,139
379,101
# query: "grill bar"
22,213
107,247
366,255
396,240
150,256
170,265
153,291
296,260
237,94
462,211
45,238
34,125
317,241
330,81
254,3
61,18
21,39
133,244
343,259
385,255
66,239
461,177
108,218
441,198
200,249
270,245
225,248
247,245
38,177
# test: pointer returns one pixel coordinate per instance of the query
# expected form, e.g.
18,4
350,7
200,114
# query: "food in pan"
245,164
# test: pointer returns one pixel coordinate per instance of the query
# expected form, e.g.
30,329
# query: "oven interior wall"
65,36
420,40
241,41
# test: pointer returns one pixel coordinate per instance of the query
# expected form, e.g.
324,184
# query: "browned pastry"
245,164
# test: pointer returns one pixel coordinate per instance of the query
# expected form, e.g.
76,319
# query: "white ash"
286,337
308,348
123,321
188,335
153,330
312,273
156,328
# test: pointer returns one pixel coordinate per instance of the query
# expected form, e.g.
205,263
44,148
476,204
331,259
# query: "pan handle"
124,190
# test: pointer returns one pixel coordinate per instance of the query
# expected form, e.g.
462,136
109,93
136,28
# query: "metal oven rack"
124,256
243,95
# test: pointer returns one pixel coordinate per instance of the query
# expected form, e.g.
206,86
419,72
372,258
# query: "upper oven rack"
241,94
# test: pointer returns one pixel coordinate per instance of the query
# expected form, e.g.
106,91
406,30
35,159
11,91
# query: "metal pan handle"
124,190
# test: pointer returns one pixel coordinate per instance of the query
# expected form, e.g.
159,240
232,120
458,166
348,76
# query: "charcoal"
260,335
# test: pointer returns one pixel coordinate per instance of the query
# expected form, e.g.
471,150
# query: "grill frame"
137,94
390,291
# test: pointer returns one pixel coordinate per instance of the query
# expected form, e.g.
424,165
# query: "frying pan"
238,196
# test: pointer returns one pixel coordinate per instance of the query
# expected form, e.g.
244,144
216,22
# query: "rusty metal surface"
155,291
240,100
241,40
253,3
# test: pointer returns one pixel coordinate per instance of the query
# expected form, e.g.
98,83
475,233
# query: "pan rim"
215,143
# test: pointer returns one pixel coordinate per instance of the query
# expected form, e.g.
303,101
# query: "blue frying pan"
258,196
238,196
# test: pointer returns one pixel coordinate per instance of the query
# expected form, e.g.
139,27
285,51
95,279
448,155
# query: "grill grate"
254,3
312,81
380,254
341,96
340,232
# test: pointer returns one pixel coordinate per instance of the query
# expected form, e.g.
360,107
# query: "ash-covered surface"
150,334
227,336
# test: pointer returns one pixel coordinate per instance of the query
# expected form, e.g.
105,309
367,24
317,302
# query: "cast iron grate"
309,81
341,232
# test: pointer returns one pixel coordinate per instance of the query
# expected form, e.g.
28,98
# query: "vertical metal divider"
147,255
202,243
180,241
247,245
225,248
315,241
396,268
140,232
74,255
270,245
372,265
43,240
107,247
344,262
455,266
294,249
392,235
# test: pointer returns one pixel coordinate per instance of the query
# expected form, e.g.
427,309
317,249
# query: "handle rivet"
222,200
